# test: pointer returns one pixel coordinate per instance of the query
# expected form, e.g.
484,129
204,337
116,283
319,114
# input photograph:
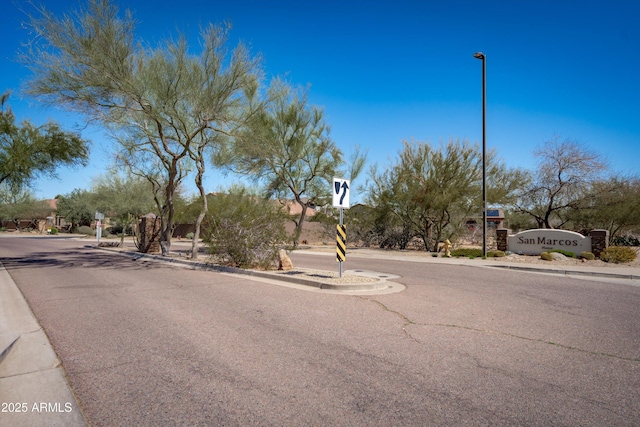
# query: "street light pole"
483,58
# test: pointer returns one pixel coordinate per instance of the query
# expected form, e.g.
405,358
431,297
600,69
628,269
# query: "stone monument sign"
534,242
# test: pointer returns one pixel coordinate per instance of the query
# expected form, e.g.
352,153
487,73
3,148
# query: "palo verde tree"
158,104
562,182
430,191
614,206
28,151
286,146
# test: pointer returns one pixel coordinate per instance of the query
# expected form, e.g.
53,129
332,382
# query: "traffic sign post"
341,194
341,245
99,217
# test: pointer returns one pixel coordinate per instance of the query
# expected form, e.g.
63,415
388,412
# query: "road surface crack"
407,321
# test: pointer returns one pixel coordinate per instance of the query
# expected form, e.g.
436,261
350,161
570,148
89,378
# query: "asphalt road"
148,344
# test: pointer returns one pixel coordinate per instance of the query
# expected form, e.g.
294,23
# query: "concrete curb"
370,286
381,284
568,272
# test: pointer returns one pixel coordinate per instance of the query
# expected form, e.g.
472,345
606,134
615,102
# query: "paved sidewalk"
33,386
32,382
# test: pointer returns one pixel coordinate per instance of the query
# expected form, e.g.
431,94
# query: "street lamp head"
479,55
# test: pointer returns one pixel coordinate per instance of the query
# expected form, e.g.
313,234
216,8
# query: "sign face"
99,215
534,242
341,191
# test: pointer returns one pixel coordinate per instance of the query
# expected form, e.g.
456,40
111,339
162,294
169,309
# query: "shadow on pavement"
80,258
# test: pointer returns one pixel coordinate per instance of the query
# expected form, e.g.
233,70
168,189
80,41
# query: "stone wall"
150,233
501,239
599,241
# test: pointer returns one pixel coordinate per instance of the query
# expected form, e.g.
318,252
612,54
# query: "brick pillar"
599,241
149,233
501,239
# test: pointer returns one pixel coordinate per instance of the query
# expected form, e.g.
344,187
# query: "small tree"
614,206
123,198
77,208
561,183
286,146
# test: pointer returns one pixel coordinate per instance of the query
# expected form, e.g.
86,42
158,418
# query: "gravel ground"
535,259
328,276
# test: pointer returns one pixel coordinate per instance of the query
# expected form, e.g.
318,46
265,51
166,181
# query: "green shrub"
546,256
434,255
625,241
245,230
496,254
86,230
466,252
53,230
587,255
618,254
190,235
565,253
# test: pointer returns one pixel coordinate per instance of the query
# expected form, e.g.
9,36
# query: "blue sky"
388,71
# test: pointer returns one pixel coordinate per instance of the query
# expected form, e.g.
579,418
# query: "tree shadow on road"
74,258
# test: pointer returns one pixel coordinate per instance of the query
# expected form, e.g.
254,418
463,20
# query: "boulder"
558,256
285,263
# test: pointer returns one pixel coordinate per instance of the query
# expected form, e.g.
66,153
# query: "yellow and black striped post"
341,248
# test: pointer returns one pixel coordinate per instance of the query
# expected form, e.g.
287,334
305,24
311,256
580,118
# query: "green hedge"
475,253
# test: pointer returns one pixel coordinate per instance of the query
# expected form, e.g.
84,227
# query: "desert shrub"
546,256
625,241
565,253
466,252
244,229
53,230
587,255
190,236
496,254
85,229
618,254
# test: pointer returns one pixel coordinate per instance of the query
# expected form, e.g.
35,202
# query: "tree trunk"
298,230
205,207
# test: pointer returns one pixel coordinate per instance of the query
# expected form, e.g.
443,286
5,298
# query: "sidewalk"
33,387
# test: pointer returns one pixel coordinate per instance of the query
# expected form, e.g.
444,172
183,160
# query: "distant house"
294,208
40,217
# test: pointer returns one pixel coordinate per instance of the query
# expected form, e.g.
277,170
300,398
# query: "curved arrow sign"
341,192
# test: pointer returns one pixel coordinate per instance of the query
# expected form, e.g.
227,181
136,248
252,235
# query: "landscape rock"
285,263
558,256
